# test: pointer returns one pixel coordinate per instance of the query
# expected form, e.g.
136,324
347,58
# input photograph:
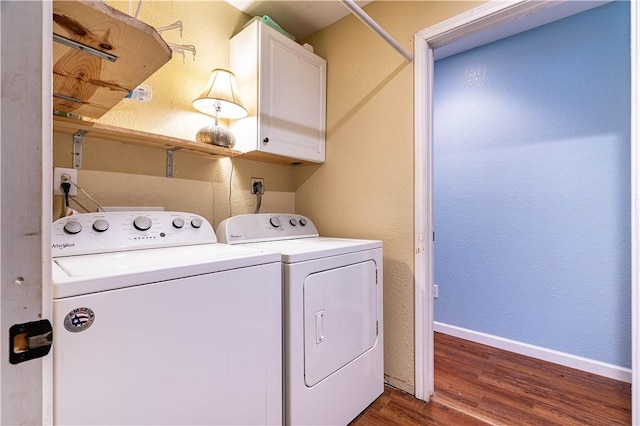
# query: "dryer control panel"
104,232
250,228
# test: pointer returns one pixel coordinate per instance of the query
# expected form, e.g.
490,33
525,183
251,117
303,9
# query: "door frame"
25,248
490,16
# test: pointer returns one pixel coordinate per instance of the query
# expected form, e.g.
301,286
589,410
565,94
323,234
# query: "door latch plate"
30,340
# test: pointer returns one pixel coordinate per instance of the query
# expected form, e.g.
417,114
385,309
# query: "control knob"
72,227
196,222
100,225
178,222
303,221
293,221
142,223
275,222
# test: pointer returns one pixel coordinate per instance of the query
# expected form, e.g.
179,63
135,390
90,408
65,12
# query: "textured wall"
208,26
532,187
365,189
118,174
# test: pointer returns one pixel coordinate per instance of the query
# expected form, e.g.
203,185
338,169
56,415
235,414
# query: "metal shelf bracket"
77,148
170,161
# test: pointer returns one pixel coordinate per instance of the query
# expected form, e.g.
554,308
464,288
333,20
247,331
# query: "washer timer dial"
275,222
142,223
72,227
100,225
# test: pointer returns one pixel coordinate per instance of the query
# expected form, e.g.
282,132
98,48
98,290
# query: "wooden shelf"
85,83
136,137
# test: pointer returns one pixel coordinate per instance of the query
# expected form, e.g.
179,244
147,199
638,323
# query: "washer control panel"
104,232
248,228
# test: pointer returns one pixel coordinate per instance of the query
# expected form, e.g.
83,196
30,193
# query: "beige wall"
117,174
208,25
365,189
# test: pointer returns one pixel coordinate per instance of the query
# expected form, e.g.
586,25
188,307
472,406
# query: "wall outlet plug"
257,185
59,175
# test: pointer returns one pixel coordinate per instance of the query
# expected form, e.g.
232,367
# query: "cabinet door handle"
265,141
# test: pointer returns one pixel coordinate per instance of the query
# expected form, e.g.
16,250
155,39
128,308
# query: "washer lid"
76,275
304,249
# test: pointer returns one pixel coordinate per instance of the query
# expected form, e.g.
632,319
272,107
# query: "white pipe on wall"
366,19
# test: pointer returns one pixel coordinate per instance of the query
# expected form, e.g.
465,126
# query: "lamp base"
216,135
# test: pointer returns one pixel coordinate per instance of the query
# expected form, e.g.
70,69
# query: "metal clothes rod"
366,19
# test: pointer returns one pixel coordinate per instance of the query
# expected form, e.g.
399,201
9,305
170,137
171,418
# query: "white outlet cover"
59,171
254,180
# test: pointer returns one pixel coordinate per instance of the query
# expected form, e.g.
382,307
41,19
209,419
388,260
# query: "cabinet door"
292,103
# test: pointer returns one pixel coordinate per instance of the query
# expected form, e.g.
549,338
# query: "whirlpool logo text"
62,245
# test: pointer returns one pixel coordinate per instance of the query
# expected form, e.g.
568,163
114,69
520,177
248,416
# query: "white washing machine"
156,323
334,364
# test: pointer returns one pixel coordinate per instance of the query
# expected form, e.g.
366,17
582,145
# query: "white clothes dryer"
156,323
332,315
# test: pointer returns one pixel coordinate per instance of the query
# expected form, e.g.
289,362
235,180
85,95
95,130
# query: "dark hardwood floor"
480,385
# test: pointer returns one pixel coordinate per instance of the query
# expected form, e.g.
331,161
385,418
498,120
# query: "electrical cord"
257,188
230,181
66,187
86,194
82,206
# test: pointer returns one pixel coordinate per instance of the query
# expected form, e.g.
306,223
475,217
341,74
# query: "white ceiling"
298,17
304,17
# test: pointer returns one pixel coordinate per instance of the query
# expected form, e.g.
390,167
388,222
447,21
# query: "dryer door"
340,321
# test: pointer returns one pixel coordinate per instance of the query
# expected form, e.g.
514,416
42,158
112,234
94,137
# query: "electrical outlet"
254,188
435,291
57,180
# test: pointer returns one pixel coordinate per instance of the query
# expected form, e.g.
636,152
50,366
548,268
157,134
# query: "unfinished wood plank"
100,84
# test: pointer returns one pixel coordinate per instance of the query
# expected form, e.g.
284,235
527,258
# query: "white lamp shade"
221,91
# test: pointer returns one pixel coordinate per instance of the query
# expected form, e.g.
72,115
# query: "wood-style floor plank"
480,385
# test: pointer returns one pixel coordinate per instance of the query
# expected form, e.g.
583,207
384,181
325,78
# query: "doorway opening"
451,37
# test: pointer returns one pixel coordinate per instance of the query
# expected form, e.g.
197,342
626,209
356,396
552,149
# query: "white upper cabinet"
283,87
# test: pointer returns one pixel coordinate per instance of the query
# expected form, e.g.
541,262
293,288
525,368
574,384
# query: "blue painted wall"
532,187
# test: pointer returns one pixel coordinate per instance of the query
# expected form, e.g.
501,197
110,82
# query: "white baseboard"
572,361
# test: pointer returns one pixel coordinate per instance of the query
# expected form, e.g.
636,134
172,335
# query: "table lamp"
220,98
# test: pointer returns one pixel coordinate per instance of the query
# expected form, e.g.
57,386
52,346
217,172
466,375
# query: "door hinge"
30,340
